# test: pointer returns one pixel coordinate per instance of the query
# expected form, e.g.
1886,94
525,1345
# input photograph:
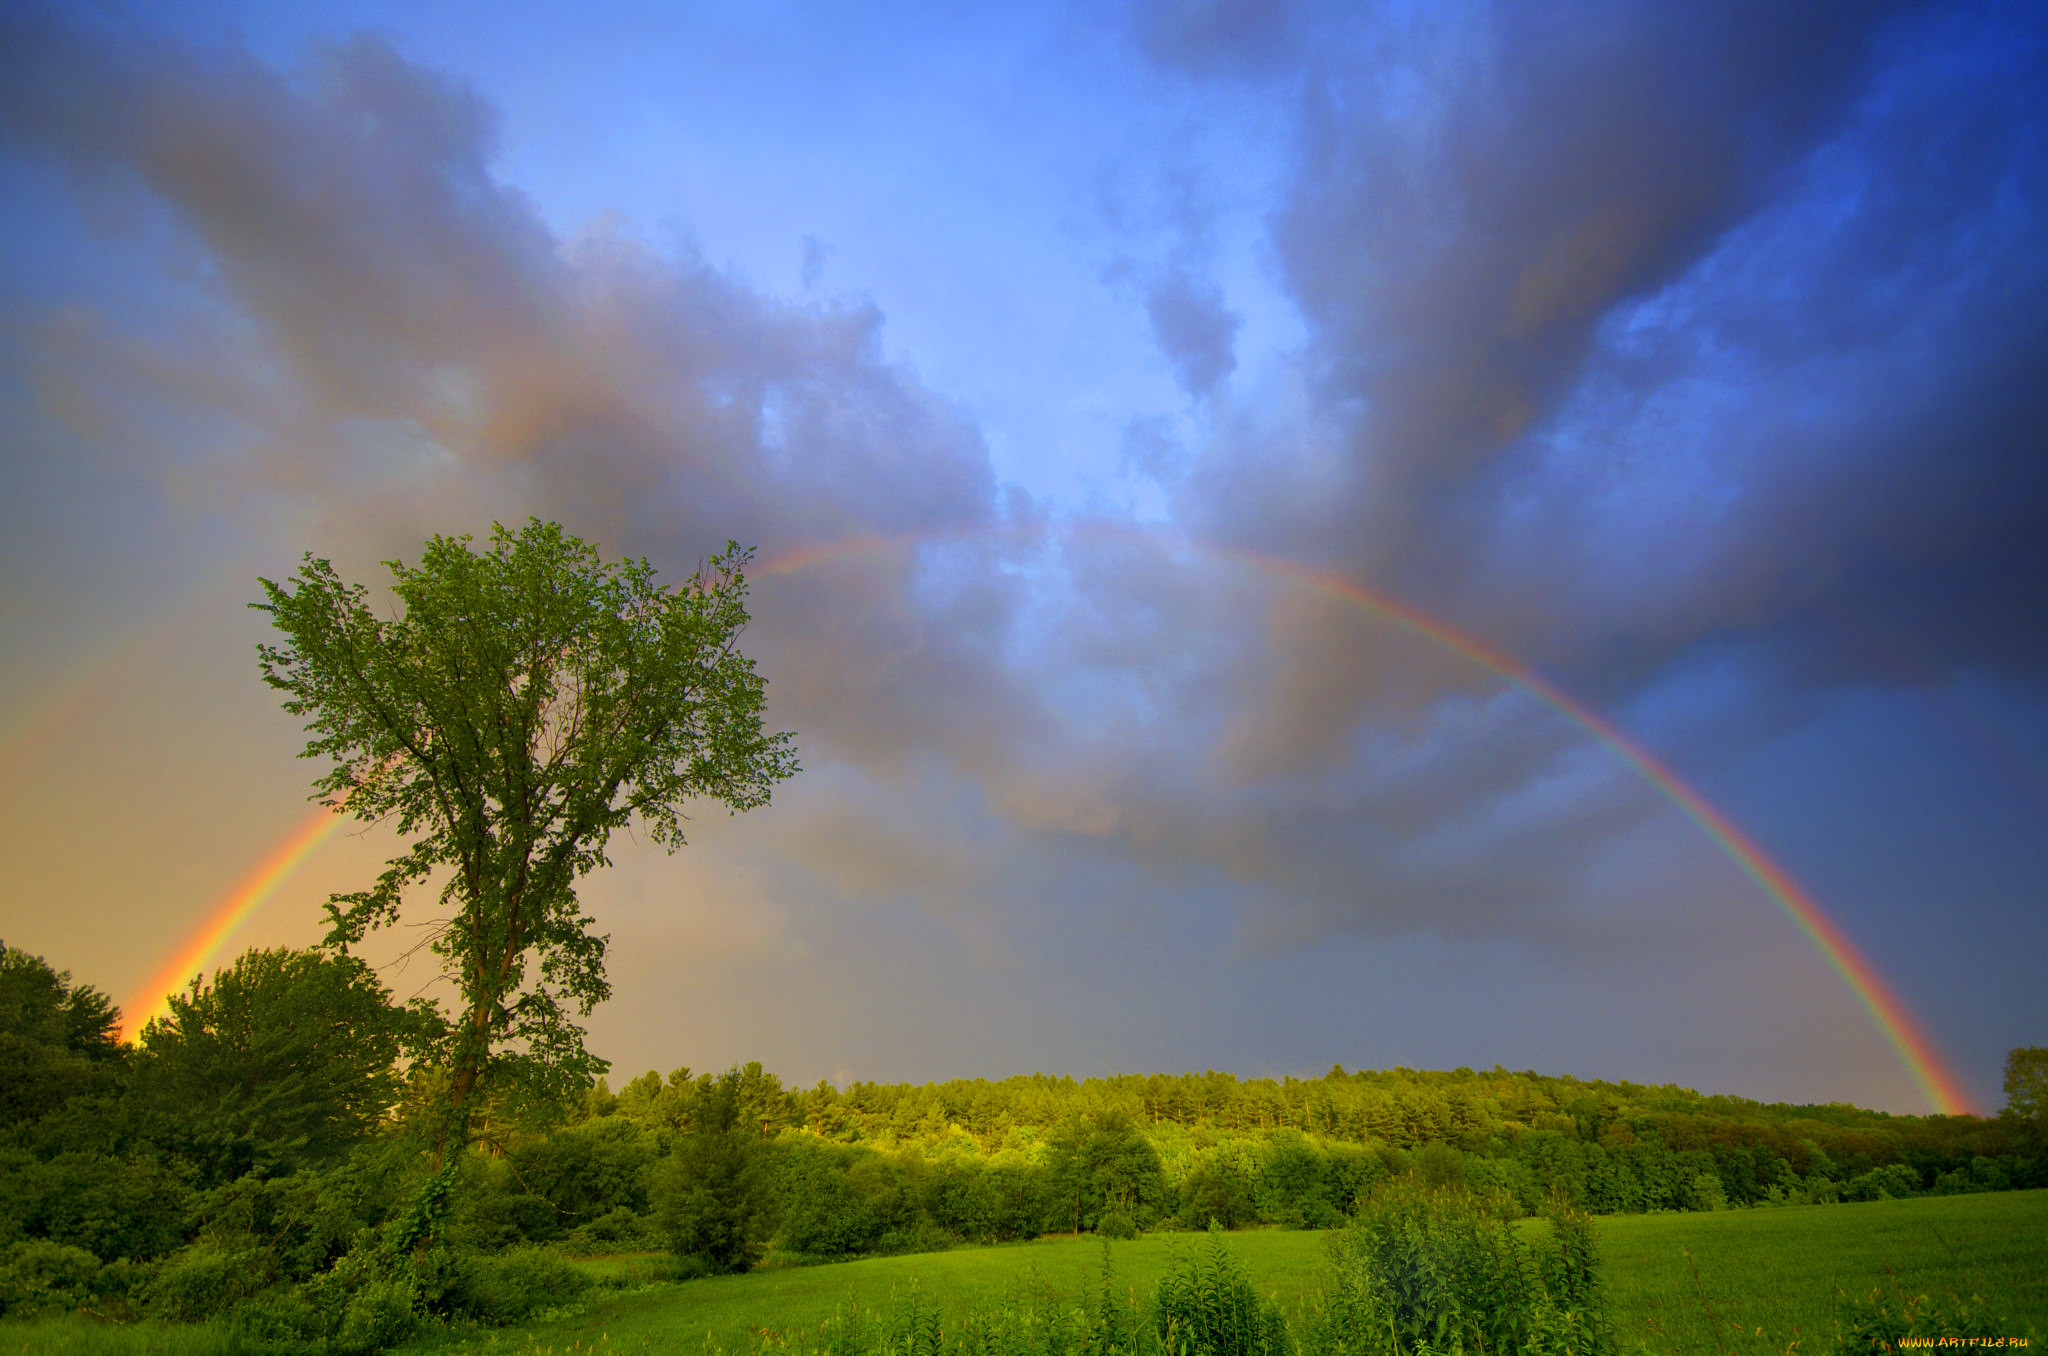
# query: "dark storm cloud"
1562,386
1203,36
1646,343
1638,328
397,296
1847,390
1194,329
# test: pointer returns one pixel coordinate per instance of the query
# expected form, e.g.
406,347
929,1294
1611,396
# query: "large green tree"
713,1194
284,1057
526,702
2026,1090
1101,1165
58,1040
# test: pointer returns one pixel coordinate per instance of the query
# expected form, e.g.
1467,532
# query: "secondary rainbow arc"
1893,1020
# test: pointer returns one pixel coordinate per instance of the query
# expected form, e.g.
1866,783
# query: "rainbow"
31,728
1916,1051
198,951
1937,1082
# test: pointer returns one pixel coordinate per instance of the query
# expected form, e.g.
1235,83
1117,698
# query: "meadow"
1734,1281
1731,1283
1744,1281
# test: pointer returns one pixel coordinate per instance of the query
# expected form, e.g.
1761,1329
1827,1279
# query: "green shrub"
1894,1181
45,1277
1706,1192
283,1319
1217,1191
509,1287
1878,1324
111,1207
204,1281
823,1214
382,1313
1096,1164
1295,1183
713,1194
1116,1224
921,1235
1434,1270
1439,1165
1206,1306
618,1230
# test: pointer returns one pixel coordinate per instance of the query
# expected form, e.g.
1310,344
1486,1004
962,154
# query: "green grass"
733,1310
80,1335
1771,1278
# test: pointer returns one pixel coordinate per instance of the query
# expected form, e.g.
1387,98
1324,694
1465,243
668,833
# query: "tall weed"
1425,1271
1206,1306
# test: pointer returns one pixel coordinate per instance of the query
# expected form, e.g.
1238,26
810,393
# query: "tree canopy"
528,701
2026,1088
286,1056
55,1036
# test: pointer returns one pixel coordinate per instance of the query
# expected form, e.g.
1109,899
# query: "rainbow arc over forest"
205,944
1900,1029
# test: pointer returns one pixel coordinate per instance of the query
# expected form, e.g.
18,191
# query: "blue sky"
1690,356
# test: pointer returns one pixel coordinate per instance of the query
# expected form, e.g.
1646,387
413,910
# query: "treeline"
892,1167
266,1151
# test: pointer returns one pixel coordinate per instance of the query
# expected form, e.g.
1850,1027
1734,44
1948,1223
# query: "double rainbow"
1929,1071
200,949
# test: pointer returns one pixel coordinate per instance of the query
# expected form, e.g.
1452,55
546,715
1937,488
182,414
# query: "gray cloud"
1612,313
1646,344
405,307
1547,394
1194,329
1238,37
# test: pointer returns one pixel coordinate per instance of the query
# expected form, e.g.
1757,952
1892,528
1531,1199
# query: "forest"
268,1147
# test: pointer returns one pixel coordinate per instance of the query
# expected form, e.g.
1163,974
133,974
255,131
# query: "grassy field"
1770,1278
733,1310
1755,1281
1739,1283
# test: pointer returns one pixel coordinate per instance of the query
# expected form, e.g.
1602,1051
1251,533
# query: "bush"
585,1173
382,1313
1878,1324
283,1318
619,1230
1425,1269
108,1206
1116,1224
204,1281
1294,1183
1216,1192
1439,1165
510,1287
1894,1181
921,1236
714,1193
1206,1306
1095,1165
823,1213
45,1277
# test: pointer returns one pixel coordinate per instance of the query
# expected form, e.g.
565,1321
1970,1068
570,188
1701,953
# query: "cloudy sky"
1101,387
